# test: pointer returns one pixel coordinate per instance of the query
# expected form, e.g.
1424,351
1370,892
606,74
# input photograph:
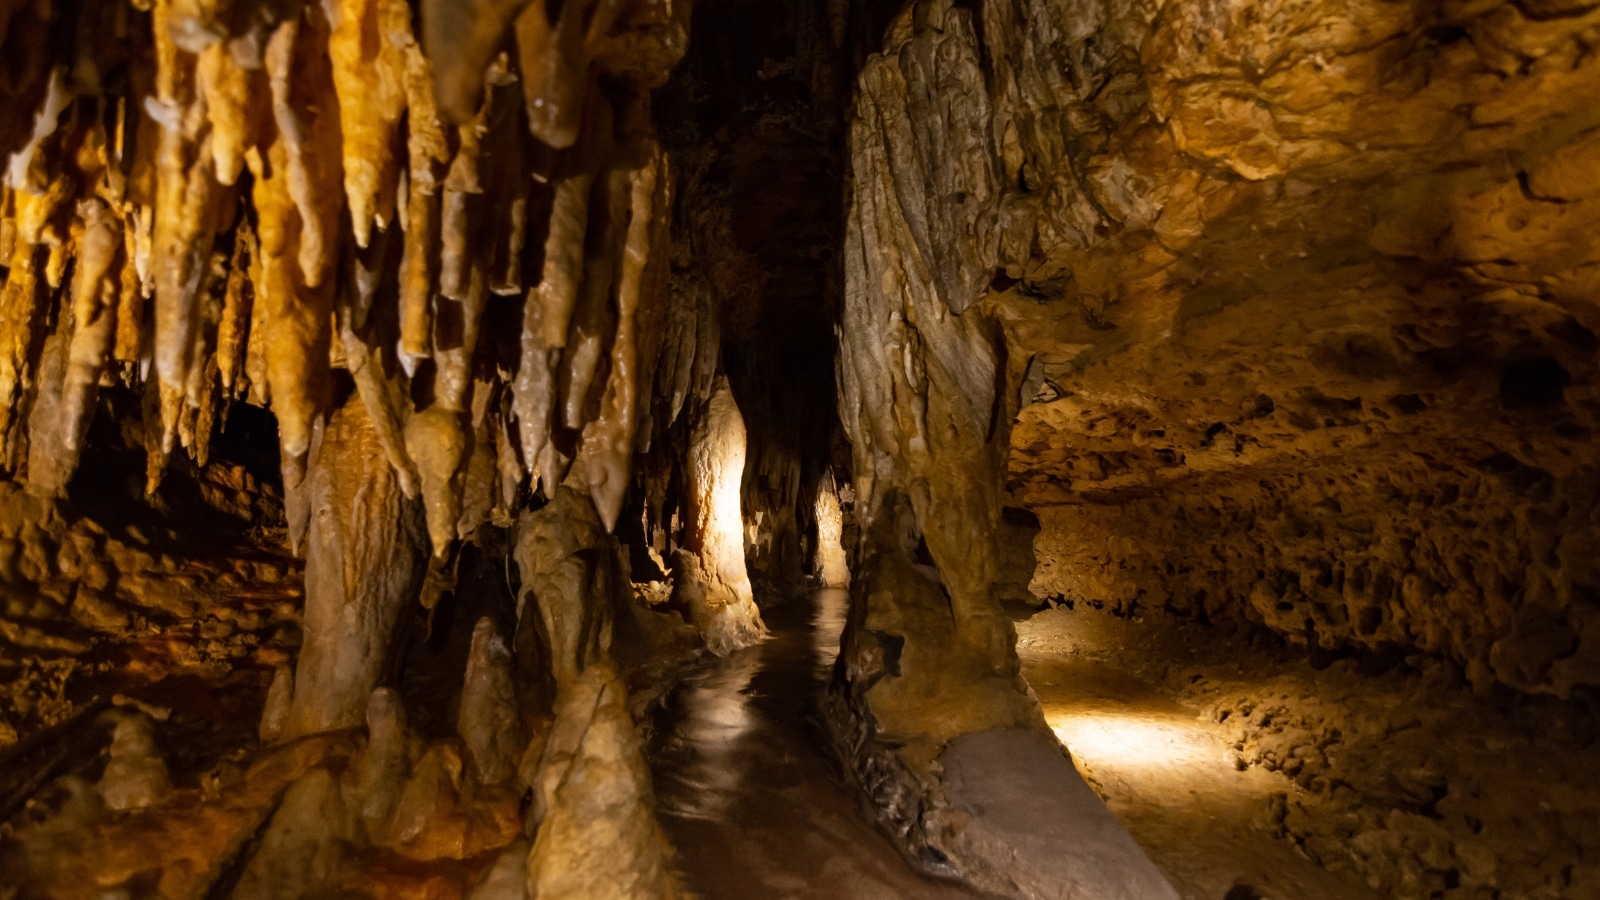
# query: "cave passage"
745,788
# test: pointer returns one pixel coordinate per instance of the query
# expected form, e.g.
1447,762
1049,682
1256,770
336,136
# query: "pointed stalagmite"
595,831
489,719
136,774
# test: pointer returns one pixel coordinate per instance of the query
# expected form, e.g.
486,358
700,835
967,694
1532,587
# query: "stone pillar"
709,571
832,570
365,559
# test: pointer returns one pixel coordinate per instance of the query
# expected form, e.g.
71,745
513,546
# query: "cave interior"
633,449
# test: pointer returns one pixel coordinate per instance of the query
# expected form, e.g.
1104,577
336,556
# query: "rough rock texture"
1241,761
490,719
593,822
1304,315
710,577
926,654
363,566
904,685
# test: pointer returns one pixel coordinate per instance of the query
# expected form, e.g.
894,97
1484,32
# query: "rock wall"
926,654
1297,302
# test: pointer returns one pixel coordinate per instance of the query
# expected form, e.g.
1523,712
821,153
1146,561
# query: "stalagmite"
280,701
507,878
136,773
594,831
489,718
302,846
363,565
386,763
831,567
711,581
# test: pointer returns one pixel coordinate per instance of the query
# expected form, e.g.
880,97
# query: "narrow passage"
745,791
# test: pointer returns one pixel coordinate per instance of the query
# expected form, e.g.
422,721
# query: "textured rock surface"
363,566
832,566
1305,326
926,655
593,809
711,580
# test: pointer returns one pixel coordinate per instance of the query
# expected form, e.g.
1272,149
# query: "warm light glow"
1116,740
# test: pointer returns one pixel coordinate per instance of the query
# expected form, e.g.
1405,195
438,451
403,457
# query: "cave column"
832,569
712,582
928,685
364,564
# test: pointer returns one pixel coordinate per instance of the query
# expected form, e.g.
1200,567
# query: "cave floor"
1241,765
1169,780
744,789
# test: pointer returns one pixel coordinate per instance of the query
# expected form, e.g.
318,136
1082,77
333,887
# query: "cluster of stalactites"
214,201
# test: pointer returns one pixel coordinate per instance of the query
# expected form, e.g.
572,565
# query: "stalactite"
368,50
186,194
305,106
96,292
428,153
611,436
238,302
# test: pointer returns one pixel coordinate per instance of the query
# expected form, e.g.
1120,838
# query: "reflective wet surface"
745,790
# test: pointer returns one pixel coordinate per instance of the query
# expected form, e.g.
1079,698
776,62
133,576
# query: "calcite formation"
596,833
212,185
547,362
713,584
832,565
363,567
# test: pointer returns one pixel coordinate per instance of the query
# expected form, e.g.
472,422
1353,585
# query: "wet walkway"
745,791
